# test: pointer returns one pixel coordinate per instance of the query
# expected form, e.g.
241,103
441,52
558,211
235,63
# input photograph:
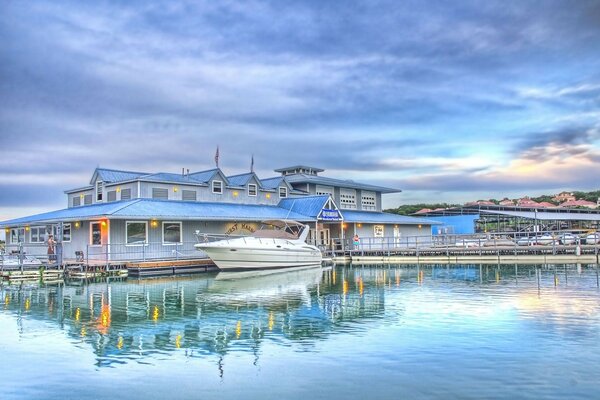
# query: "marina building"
124,215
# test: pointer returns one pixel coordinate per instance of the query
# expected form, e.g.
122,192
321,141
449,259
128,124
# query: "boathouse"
126,215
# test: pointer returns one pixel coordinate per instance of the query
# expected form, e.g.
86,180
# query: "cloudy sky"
448,101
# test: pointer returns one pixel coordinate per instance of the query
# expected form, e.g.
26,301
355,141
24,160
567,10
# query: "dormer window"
99,187
283,192
217,187
252,190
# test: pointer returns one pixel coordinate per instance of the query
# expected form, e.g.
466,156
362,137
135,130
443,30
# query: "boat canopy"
284,229
282,223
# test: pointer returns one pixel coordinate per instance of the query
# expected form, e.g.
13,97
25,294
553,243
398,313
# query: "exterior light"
118,189
77,225
344,226
103,223
175,189
7,230
268,195
26,229
154,223
235,194
81,196
420,226
359,225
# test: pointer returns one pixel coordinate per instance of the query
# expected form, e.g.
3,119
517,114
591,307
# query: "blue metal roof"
242,179
172,178
310,206
320,180
205,176
150,209
72,214
367,217
113,175
271,183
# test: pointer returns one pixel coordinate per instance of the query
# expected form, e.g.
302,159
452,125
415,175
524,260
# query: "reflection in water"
208,316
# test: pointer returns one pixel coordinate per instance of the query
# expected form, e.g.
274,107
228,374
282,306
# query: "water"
427,332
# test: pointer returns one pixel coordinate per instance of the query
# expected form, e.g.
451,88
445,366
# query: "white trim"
91,244
70,232
286,192
101,193
145,243
255,190
180,233
213,186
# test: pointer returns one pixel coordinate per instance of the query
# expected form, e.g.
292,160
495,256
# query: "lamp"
235,194
118,189
77,225
26,229
103,223
175,189
154,223
268,195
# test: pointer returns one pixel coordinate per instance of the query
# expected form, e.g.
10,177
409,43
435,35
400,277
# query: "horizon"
506,103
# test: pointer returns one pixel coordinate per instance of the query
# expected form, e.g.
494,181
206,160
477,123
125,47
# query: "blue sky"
448,101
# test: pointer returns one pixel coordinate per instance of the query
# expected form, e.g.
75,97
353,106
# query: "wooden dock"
170,267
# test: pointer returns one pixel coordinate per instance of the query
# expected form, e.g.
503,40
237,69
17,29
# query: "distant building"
527,202
579,203
546,204
506,202
564,196
480,203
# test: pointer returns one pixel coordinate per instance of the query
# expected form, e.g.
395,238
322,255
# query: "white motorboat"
278,244
568,239
593,238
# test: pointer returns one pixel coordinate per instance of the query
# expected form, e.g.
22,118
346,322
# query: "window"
37,234
217,187
378,230
321,190
368,201
251,189
111,196
95,233
171,232
188,195
125,194
348,198
17,235
99,188
136,233
160,194
87,199
66,236
282,192
76,201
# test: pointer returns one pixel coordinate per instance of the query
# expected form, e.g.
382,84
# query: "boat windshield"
279,230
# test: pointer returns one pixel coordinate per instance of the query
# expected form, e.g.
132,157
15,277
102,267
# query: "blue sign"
330,215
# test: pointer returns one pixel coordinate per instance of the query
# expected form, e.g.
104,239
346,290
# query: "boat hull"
228,258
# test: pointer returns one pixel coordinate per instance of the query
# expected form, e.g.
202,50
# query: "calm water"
467,332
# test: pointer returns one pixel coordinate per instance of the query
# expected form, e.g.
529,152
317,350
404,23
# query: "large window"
321,190
171,232
368,200
348,198
37,234
17,235
136,233
252,190
217,187
66,236
283,192
87,199
99,188
95,233
76,201
111,196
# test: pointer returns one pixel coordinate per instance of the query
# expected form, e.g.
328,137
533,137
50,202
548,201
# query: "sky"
449,101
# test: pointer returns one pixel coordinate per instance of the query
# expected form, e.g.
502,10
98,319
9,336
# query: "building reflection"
210,315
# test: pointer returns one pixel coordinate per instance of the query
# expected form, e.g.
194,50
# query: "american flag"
217,157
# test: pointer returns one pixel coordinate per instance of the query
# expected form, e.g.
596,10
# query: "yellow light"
268,195
77,314
344,226
118,189
77,225
103,223
6,300
27,304
178,341
271,321
83,331
154,223
345,287
359,225
175,189
120,343
155,313
81,196
235,194
27,229
420,226
238,329
7,230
